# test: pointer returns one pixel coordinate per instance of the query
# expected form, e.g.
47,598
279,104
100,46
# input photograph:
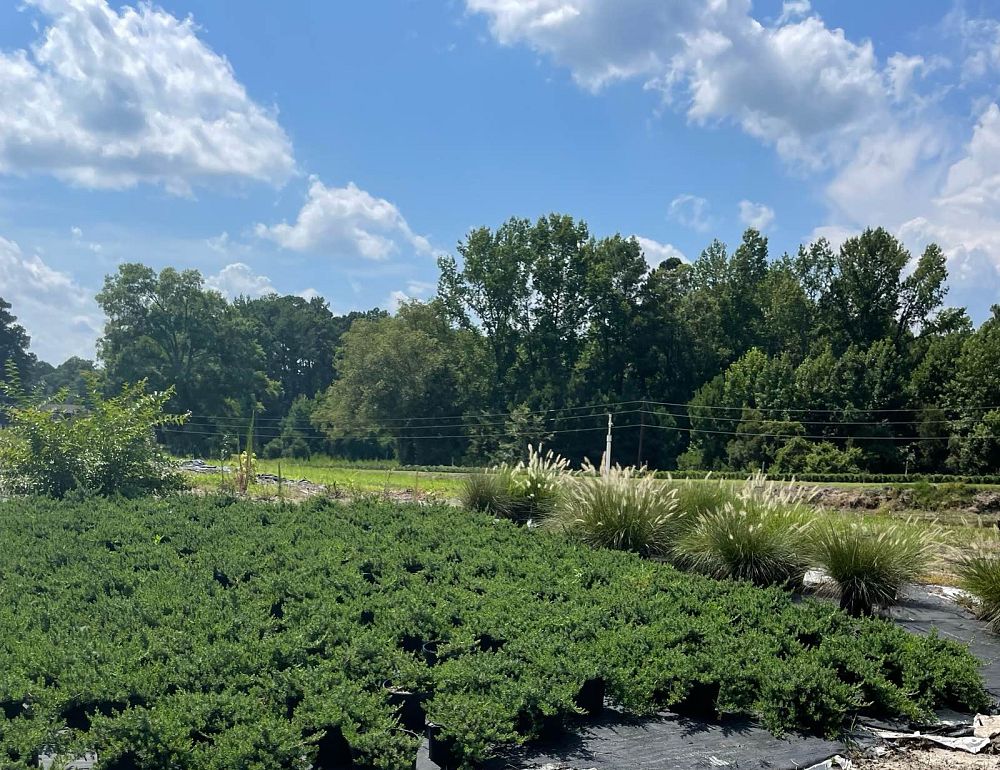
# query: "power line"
817,411
374,425
464,416
817,438
806,422
405,437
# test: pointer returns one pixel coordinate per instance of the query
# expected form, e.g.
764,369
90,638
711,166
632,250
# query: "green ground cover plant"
201,632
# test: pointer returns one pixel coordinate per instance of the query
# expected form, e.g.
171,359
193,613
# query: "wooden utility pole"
642,430
607,448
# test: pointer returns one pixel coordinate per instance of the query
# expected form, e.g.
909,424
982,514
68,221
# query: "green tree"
869,299
972,396
71,376
169,329
298,339
14,342
491,291
403,379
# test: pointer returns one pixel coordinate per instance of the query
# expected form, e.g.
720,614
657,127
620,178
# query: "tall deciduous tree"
14,343
169,329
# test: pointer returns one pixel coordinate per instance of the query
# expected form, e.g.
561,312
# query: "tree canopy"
825,360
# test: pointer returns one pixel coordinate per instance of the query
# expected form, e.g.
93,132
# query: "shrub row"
841,478
205,633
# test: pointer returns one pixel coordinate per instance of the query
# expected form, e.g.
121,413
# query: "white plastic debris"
834,763
48,762
984,726
972,745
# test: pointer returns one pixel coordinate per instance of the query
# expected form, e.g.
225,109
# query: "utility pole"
642,430
607,448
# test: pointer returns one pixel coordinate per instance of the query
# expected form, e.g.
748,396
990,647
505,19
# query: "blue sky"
336,148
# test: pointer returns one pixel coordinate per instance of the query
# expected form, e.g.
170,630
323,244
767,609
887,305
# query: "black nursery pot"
430,651
409,707
441,751
590,699
333,752
489,643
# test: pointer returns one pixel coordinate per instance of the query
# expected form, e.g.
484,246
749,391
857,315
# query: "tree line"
828,360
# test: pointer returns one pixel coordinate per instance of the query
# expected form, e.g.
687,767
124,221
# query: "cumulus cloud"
346,222
690,211
828,105
798,85
902,182
239,279
656,252
109,99
60,316
756,215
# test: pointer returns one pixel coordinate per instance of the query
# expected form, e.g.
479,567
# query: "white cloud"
979,40
76,232
61,317
346,222
656,252
798,85
397,298
690,211
794,9
239,279
901,182
826,103
420,288
109,99
309,294
756,215
219,243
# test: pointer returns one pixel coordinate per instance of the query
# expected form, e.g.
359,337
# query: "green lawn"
365,479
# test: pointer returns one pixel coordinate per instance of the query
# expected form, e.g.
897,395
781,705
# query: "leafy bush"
301,618
934,497
870,560
757,536
105,446
980,576
625,509
801,456
837,478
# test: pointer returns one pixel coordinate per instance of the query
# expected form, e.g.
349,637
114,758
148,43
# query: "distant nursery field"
199,632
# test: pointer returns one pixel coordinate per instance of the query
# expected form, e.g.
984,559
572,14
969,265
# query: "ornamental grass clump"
870,560
487,493
625,509
757,536
533,487
980,576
